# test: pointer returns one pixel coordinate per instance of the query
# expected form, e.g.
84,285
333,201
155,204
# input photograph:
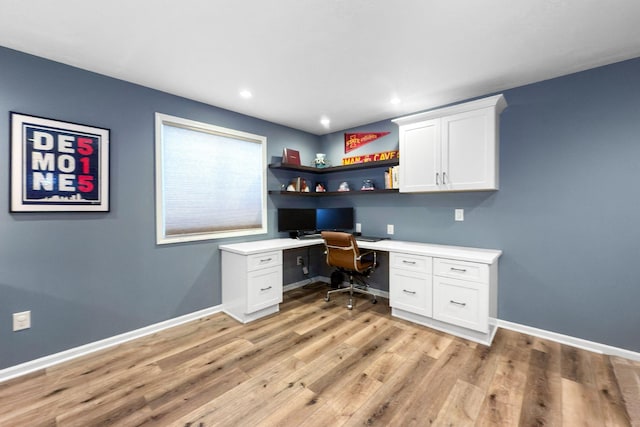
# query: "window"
210,181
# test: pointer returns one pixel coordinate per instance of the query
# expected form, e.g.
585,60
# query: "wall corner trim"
571,341
73,353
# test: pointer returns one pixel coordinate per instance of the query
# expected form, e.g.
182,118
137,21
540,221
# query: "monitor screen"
338,219
296,220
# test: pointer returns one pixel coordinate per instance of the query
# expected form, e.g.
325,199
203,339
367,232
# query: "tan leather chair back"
342,251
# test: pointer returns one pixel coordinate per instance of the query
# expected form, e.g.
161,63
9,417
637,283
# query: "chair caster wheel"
349,307
326,299
375,301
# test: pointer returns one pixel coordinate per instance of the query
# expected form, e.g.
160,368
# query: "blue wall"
89,276
564,216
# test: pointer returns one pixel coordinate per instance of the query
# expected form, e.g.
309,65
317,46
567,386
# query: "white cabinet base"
251,284
448,328
250,317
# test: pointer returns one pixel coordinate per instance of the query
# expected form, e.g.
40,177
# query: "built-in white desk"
450,288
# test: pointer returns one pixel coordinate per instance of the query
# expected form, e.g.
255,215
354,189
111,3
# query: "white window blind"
210,181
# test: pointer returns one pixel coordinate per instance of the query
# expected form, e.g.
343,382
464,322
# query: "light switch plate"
459,215
358,227
21,320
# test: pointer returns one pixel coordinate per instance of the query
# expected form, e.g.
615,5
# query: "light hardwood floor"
318,364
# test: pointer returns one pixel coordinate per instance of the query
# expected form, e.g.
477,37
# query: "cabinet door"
411,291
420,168
461,303
264,288
469,151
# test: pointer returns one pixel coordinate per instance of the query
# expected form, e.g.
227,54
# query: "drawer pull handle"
266,260
266,289
404,261
409,292
461,270
462,304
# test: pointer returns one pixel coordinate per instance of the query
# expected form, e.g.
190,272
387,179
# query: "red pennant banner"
376,157
355,140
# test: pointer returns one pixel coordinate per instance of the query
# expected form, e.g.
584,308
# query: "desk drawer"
264,260
411,291
264,288
417,263
461,303
461,270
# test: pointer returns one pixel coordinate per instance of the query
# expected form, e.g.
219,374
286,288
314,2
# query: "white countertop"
258,246
485,256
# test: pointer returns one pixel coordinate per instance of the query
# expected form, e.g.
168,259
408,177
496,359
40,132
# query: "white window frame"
163,120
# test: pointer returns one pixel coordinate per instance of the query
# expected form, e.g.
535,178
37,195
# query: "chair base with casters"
343,253
360,288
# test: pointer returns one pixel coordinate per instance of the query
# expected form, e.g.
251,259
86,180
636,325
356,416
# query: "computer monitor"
336,219
296,220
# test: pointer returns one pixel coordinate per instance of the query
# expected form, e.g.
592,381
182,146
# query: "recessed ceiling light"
246,94
395,100
325,122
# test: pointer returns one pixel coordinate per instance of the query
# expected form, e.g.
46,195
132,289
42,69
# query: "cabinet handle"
404,261
266,289
444,176
462,304
409,292
437,178
266,260
461,270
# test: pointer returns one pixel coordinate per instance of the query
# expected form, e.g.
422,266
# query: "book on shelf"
392,178
291,157
395,177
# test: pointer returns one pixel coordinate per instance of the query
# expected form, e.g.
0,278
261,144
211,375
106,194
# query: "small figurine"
320,188
344,186
368,185
320,161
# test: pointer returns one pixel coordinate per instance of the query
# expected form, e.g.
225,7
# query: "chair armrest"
363,254
375,258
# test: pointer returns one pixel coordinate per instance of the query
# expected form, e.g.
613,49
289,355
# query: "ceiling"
344,60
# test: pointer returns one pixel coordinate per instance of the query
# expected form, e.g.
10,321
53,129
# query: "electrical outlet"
459,214
21,320
358,227
389,228
299,261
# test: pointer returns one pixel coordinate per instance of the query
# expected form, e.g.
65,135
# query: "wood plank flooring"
319,364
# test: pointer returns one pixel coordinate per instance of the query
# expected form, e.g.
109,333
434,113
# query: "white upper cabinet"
451,149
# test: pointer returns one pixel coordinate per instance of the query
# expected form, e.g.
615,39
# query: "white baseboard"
305,282
569,340
54,359
63,356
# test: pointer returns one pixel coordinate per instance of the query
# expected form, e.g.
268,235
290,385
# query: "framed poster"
58,166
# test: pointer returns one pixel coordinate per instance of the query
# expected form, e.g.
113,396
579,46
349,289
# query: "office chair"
343,253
